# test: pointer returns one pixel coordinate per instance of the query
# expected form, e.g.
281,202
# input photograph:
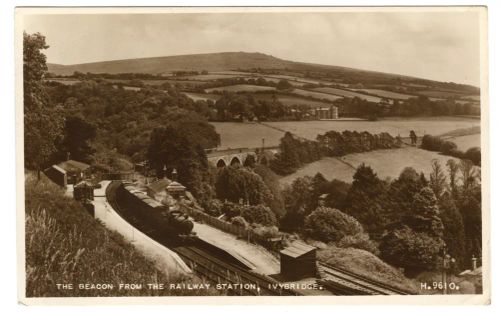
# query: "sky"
441,45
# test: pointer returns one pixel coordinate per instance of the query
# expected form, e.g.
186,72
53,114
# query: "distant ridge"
165,64
224,61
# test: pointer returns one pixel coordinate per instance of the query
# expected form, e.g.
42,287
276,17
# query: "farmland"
234,134
289,100
396,126
388,94
65,81
241,88
472,97
202,96
440,94
317,95
349,94
467,141
386,163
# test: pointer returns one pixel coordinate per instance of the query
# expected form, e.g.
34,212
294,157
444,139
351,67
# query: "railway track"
347,283
234,279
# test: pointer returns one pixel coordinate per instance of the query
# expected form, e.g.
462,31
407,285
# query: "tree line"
295,152
437,144
406,221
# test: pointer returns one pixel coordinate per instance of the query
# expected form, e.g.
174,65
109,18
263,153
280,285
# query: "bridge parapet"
232,156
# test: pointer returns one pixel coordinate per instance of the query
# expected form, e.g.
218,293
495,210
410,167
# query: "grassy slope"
155,65
233,60
64,244
366,264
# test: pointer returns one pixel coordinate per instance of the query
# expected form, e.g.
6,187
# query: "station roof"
176,187
57,168
73,165
297,249
159,186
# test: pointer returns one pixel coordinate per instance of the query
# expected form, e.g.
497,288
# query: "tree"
468,174
284,84
452,174
42,123
437,179
235,184
173,147
331,225
77,135
365,200
414,251
271,179
259,214
288,159
474,155
415,241
454,232
424,216
298,200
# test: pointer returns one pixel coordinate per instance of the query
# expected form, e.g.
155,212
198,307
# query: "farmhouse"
327,113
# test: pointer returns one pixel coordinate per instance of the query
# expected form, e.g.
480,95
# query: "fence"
237,230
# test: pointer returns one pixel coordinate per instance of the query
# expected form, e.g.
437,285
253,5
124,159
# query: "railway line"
215,267
208,264
343,282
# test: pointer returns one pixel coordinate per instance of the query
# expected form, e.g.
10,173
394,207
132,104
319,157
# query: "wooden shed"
58,175
75,170
298,261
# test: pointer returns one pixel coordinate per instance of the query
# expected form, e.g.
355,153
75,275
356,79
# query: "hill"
159,65
226,61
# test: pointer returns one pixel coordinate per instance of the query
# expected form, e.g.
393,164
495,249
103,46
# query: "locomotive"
154,218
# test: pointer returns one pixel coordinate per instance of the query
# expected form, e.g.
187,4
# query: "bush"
214,207
359,241
411,250
266,232
474,155
231,210
239,221
446,147
366,264
431,143
331,225
259,214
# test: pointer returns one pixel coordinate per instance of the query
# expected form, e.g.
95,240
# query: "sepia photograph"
255,153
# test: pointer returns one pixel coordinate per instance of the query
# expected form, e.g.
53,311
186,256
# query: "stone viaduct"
235,156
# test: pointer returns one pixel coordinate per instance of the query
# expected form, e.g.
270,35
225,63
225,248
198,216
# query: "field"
317,95
235,134
399,126
388,94
386,163
202,96
241,88
465,142
289,100
472,98
64,81
439,94
349,94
